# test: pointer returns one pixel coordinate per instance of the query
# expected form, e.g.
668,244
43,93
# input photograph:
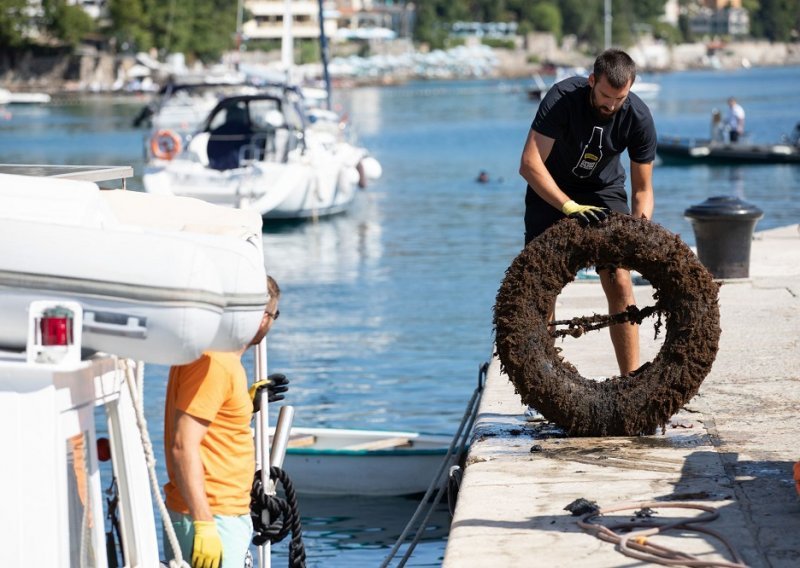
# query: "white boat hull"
299,189
149,293
339,462
256,152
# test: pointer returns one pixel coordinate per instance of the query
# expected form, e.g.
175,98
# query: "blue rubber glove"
585,214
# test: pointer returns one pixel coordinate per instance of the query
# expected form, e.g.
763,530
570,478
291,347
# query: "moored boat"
155,281
335,461
256,152
704,151
9,97
66,407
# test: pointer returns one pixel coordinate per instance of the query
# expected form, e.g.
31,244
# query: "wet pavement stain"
686,297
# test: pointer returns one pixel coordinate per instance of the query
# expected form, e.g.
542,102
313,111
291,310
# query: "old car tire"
686,296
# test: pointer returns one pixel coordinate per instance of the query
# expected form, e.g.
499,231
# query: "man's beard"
602,112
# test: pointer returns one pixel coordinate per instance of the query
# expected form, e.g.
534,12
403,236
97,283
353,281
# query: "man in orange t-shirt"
210,453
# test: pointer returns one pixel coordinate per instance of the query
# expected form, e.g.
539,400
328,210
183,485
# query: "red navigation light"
103,449
56,327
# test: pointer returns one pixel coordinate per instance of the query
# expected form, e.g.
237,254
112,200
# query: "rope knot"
274,517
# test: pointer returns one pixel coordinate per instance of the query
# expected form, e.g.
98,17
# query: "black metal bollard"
723,228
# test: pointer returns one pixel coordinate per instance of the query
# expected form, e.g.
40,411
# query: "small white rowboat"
331,461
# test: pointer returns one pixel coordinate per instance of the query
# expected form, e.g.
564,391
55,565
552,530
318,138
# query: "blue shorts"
235,533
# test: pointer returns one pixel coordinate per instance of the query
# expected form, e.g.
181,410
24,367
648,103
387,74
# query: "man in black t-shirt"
571,162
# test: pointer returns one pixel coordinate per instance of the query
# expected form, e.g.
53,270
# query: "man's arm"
189,473
532,168
642,200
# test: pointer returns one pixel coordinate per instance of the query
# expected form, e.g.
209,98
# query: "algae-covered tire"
640,402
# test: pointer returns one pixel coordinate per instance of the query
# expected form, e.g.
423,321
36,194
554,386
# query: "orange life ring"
165,144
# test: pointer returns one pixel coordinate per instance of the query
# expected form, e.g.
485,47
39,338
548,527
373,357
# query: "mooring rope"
636,544
135,387
274,518
459,441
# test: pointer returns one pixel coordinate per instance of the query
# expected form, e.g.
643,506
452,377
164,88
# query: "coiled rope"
135,384
273,517
636,543
456,450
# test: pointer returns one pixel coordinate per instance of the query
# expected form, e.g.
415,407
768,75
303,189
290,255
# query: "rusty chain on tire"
577,326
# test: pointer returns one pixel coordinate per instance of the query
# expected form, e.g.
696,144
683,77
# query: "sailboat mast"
239,17
287,43
323,49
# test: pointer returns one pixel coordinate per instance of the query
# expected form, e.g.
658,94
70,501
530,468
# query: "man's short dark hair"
616,66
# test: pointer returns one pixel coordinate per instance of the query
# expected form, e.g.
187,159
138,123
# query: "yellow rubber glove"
207,548
276,384
585,214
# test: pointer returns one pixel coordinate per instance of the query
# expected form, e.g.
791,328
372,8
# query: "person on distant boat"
717,128
735,120
571,162
210,453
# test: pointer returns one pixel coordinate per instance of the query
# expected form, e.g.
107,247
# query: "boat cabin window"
266,114
294,116
81,551
229,132
232,116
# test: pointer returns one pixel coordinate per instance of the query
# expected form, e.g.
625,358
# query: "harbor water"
386,311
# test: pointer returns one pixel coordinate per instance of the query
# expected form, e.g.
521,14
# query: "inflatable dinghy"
160,279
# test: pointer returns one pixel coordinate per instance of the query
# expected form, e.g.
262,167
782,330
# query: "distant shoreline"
99,72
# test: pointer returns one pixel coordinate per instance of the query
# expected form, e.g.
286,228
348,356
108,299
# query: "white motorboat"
333,461
646,90
58,395
255,152
9,98
83,467
158,280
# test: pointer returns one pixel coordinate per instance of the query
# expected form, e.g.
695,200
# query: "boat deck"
731,448
82,173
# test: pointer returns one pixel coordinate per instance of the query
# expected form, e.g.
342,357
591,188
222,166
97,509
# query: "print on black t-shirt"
591,155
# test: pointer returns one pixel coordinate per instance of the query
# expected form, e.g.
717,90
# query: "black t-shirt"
585,155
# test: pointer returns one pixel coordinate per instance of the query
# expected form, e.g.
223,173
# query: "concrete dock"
732,447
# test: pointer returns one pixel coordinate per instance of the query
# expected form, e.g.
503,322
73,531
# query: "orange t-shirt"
214,388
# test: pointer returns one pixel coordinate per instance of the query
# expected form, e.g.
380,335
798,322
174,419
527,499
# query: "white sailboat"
266,151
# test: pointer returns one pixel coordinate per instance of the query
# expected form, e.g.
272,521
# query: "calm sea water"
386,311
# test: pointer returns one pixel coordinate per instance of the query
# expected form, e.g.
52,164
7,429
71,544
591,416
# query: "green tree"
13,21
130,24
201,29
429,27
488,10
776,20
585,22
545,17
213,29
68,23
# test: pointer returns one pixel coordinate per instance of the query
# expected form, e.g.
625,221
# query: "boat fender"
454,478
372,167
639,402
165,144
796,471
